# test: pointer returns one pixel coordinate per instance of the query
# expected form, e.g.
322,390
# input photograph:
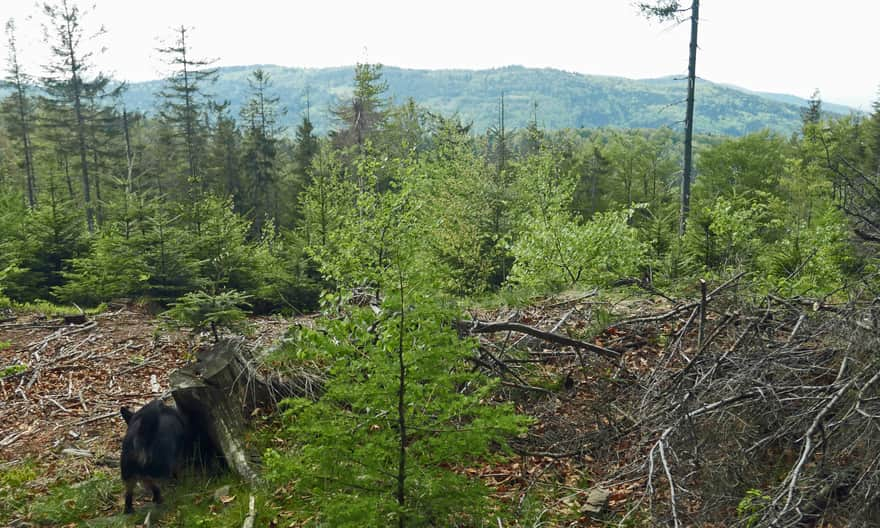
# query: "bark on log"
219,392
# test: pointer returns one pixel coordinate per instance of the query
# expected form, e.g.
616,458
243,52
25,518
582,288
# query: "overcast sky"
787,46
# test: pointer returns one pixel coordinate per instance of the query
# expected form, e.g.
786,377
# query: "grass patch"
74,503
193,501
14,492
513,296
55,310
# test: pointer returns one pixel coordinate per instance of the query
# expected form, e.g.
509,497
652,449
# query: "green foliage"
811,260
753,163
14,492
115,267
145,254
10,370
366,112
39,244
559,251
201,311
346,444
750,507
154,255
726,234
350,235
555,248
403,412
4,273
465,238
76,502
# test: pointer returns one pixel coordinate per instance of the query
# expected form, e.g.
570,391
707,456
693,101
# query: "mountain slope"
563,99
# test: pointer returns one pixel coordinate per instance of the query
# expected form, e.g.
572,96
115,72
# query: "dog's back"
152,448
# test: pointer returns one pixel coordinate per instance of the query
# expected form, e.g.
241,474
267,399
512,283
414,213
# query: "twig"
58,404
807,448
526,387
95,418
675,311
671,483
703,303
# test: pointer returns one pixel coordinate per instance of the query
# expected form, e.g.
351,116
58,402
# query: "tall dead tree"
672,10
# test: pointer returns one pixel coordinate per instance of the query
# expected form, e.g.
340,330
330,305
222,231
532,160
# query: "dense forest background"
556,98
393,202
104,200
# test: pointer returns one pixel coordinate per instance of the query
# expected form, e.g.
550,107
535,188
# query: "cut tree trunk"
218,394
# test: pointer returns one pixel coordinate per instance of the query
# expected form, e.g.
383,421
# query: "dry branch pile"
723,411
779,398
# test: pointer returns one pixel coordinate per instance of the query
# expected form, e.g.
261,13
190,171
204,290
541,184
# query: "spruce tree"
365,113
17,111
223,164
305,149
260,117
183,103
812,114
70,86
402,403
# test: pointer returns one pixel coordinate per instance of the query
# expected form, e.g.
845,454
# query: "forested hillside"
564,100
430,317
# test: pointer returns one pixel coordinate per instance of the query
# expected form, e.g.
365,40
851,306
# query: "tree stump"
218,394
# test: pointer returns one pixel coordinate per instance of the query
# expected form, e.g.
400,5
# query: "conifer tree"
534,135
595,168
498,138
306,146
17,111
499,198
69,86
402,403
366,112
224,157
183,103
260,117
812,114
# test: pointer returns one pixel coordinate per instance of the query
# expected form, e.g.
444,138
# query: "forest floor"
64,384
63,387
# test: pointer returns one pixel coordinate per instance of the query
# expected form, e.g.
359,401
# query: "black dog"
153,448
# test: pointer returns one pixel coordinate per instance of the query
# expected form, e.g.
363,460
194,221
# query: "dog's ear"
126,414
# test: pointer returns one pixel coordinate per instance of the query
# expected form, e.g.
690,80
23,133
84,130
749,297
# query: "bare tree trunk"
689,121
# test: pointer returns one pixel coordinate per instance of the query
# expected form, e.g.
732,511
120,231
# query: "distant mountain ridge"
564,99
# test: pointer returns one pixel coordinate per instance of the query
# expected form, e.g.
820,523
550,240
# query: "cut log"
218,394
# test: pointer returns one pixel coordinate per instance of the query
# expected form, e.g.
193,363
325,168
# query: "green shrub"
201,311
557,250
345,453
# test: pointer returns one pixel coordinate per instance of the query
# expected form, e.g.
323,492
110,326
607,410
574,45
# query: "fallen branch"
683,308
481,327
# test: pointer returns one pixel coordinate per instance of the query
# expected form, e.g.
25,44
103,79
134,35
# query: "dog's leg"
129,492
157,495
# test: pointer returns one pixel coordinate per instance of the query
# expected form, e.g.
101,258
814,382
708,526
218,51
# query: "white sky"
788,46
